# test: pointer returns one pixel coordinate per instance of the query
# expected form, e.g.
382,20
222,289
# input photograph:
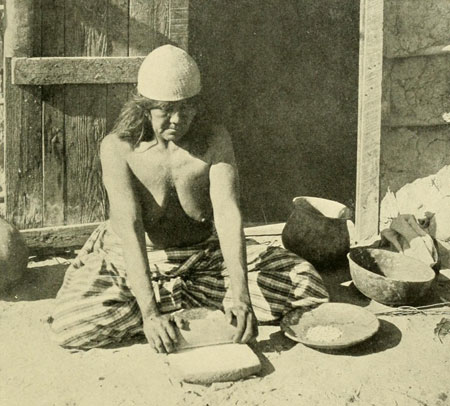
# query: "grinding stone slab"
214,363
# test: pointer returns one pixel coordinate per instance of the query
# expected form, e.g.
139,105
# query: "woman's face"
171,120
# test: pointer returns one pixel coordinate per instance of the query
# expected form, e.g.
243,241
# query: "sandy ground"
403,364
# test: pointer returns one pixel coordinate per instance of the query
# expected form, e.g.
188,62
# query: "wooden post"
23,129
369,119
19,28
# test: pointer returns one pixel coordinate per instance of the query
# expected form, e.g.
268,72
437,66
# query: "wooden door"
69,67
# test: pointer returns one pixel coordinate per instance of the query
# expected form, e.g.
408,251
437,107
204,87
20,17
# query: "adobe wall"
415,142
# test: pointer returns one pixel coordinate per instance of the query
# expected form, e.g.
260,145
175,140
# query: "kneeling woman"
174,238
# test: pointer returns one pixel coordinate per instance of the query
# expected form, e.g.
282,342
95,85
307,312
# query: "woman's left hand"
243,317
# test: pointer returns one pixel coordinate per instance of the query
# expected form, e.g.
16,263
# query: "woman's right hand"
160,331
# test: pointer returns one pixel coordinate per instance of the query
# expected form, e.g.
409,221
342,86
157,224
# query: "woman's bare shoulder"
114,147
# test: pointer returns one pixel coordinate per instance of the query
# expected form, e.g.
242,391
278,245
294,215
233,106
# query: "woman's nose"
175,117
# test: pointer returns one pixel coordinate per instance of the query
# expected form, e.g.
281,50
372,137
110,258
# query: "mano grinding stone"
215,363
204,327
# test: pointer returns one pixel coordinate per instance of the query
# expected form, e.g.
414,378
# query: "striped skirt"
96,307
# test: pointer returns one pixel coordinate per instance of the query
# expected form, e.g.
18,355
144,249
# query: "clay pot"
317,230
389,277
13,254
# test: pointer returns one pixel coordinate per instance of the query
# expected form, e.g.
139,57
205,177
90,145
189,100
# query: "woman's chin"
172,135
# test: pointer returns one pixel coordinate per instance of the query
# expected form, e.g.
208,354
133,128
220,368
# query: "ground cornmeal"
323,333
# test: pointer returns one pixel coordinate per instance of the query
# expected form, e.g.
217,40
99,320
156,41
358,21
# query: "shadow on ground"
37,283
340,287
388,336
442,287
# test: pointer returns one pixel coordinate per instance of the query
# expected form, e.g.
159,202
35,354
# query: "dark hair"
133,124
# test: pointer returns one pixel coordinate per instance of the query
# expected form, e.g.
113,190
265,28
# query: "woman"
172,178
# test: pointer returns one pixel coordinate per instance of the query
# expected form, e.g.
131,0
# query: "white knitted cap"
168,73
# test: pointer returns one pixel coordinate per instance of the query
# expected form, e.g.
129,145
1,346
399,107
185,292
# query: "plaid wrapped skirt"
96,307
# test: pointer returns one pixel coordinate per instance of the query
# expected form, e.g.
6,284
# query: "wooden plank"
274,229
117,94
75,70
369,119
52,22
85,115
23,153
149,25
37,28
60,238
23,132
84,128
179,23
53,155
47,240
117,27
140,34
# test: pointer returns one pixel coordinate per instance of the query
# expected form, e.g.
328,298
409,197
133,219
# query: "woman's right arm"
126,220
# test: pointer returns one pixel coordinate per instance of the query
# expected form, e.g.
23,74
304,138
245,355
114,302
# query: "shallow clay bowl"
389,277
348,324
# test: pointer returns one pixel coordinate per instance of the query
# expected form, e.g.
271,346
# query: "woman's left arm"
224,193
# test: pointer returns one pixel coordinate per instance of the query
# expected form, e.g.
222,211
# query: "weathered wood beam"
264,230
57,239
369,119
51,240
75,70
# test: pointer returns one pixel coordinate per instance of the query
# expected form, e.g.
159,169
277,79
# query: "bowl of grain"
330,325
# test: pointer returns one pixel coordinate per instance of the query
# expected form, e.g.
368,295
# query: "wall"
283,77
415,143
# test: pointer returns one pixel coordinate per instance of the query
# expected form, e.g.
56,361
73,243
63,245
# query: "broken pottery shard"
215,363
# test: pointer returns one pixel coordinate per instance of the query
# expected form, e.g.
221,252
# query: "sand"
403,364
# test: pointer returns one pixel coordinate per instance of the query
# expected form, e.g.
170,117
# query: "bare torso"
172,187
